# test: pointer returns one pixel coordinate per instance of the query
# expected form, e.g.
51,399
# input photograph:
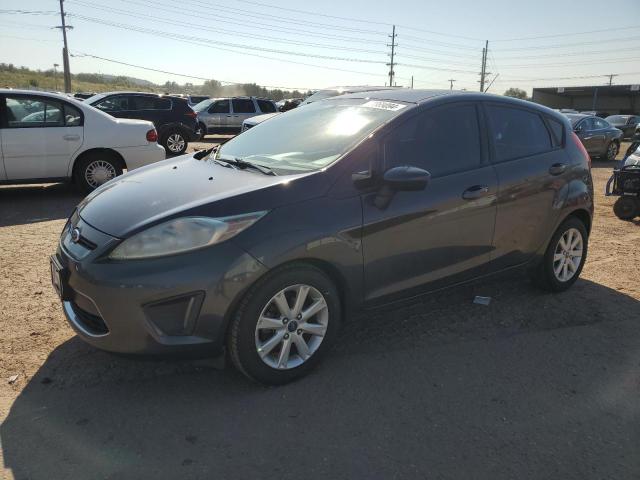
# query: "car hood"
185,186
260,118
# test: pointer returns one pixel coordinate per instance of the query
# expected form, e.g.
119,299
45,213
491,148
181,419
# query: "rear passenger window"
26,111
443,140
151,103
266,106
517,133
243,105
557,130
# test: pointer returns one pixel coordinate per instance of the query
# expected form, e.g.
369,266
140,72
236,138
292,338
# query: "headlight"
182,235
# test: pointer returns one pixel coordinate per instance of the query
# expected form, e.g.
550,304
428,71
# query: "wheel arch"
324,266
92,151
582,215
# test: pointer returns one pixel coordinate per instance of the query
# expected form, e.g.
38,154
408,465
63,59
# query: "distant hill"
22,77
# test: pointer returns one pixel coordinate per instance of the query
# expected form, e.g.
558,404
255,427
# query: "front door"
218,115
591,138
243,108
442,234
40,135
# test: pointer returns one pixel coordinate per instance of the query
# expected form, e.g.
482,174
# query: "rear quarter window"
557,131
517,133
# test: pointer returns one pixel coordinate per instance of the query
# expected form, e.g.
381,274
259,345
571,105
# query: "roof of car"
35,92
407,95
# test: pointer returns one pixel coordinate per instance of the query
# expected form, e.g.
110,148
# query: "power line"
214,43
557,35
221,30
82,54
597,42
261,26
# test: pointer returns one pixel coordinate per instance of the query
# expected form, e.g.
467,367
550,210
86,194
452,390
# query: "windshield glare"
310,137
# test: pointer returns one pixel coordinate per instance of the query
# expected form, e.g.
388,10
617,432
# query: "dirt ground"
34,331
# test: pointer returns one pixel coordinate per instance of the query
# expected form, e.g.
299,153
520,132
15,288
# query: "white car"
47,137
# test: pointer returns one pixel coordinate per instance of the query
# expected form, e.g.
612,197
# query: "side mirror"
406,178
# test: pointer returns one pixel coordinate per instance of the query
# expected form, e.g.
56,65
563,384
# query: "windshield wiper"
243,164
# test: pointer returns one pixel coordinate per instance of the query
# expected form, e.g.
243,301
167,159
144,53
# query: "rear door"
151,108
443,233
40,136
242,108
533,171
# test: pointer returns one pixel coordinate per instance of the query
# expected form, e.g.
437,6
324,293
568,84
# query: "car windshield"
203,105
574,118
316,135
617,119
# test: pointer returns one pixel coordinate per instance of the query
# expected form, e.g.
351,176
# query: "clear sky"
335,42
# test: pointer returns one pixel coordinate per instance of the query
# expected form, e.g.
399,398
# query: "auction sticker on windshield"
384,105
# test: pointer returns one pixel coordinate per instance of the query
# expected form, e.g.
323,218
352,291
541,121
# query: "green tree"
516,93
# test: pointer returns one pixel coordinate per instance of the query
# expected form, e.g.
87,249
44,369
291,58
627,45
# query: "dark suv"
173,118
266,244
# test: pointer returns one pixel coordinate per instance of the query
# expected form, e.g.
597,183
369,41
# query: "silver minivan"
219,115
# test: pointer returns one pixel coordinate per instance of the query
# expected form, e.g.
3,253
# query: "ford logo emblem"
75,235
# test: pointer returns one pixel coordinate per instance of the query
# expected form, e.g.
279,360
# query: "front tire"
96,168
626,208
203,131
174,142
564,257
284,325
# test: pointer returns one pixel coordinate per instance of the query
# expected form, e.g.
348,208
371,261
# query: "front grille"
92,323
86,243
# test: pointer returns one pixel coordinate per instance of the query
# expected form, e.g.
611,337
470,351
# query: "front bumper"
165,305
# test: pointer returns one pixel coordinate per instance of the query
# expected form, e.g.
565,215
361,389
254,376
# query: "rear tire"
612,151
174,142
95,169
626,208
261,330
564,258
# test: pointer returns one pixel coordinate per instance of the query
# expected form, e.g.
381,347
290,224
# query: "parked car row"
598,136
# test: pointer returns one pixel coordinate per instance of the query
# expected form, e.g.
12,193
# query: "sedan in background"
626,123
173,118
599,138
47,137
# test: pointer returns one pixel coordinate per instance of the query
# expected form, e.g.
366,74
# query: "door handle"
228,116
475,192
71,137
557,168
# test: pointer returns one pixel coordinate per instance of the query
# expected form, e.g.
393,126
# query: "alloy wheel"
568,255
175,143
291,326
612,151
99,172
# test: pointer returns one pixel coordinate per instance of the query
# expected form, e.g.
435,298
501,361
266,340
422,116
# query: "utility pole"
55,74
483,70
65,51
611,78
393,51
411,82
451,80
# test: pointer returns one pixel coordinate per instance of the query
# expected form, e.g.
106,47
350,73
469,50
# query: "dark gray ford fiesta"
264,245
